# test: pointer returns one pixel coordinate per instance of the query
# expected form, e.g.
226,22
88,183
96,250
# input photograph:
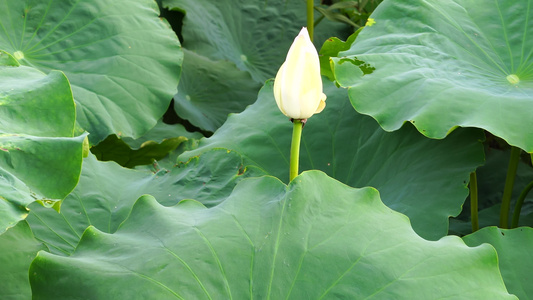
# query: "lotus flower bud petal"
298,84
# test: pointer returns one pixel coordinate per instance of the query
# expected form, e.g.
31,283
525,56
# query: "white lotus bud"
298,85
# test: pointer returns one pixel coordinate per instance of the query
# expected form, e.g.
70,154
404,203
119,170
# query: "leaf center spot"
243,57
18,55
513,79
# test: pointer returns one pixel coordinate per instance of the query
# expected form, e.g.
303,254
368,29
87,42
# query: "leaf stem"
474,202
518,206
295,148
310,18
520,202
508,189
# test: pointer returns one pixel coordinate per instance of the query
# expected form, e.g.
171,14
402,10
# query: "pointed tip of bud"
304,33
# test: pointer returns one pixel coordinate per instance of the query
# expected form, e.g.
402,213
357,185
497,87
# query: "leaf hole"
365,68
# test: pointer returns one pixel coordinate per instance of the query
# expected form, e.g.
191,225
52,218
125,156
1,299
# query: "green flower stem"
474,202
520,202
518,206
508,189
295,148
310,18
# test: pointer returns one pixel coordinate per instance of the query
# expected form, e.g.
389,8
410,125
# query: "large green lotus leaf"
18,248
106,192
122,60
353,149
514,247
315,239
440,64
210,90
39,158
255,35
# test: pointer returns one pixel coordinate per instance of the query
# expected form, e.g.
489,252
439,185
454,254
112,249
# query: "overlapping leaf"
254,35
514,248
440,64
422,178
210,90
152,147
106,193
120,58
115,149
317,238
234,46
39,157
160,133
18,247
